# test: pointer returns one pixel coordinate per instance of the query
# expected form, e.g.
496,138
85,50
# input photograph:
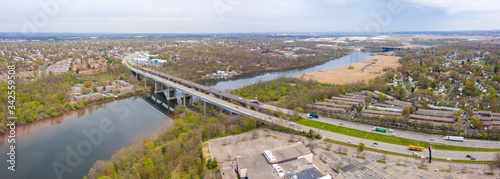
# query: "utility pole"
430,153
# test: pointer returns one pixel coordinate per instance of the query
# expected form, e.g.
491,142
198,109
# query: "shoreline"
269,69
371,68
85,107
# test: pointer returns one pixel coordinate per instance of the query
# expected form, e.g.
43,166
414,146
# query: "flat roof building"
292,161
430,112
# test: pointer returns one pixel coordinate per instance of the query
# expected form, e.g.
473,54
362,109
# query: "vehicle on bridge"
454,138
380,129
254,102
311,115
413,147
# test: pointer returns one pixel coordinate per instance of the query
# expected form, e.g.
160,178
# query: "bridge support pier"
171,94
185,97
212,110
204,108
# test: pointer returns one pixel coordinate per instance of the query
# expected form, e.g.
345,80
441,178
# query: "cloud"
247,15
456,6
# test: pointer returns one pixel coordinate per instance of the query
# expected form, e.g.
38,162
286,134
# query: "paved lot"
328,157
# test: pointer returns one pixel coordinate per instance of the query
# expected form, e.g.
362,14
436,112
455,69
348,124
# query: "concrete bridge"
170,85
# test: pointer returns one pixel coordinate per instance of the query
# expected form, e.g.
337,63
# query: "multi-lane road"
457,155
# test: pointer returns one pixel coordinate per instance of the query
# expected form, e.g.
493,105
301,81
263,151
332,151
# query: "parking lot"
331,157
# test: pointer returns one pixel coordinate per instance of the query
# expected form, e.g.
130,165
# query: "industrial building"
292,161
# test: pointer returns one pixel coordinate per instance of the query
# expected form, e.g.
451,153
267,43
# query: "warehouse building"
292,161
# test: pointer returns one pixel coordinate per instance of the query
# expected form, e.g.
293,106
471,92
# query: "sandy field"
369,69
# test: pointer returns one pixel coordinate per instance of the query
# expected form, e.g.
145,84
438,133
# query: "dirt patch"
369,69
205,150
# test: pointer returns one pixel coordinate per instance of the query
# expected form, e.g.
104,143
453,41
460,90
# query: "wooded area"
176,152
50,95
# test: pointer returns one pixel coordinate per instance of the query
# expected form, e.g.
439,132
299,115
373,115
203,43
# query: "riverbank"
271,69
356,72
83,108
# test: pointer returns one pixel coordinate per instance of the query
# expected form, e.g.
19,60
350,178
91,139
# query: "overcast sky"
215,16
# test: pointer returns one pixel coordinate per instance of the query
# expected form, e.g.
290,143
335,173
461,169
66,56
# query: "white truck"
454,138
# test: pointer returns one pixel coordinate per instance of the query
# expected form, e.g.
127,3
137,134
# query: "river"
246,79
70,144
44,143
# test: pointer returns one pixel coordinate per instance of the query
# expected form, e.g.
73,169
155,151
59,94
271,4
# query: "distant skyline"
243,16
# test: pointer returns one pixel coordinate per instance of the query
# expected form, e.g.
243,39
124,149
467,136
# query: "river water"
243,80
70,144
83,137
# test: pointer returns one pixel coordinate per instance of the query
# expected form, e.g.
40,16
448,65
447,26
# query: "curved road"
458,155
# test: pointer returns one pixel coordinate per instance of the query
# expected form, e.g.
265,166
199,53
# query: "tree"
381,97
457,115
212,164
87,84
480,125
311,133
443,127
494,104
361,146
473,121
406,111
497,159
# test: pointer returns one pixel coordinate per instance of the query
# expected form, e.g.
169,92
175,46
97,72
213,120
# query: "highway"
438,139
458,155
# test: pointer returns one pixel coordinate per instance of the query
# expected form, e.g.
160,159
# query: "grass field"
385,138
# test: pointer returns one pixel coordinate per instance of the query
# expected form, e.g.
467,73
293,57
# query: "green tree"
406,111
87,84
473,121
381,97
212,164
361,146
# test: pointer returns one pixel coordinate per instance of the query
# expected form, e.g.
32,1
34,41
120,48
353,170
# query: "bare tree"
255,134
492,167
497,159
292,138
383,157
329,146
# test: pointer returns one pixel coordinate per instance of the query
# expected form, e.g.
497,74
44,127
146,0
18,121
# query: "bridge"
206,94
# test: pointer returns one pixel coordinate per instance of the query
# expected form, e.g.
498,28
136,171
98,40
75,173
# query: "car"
375,143
390,130
393,134
431,139
472,158
341,124
292,123
270,118
414,153
349,141
468,156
